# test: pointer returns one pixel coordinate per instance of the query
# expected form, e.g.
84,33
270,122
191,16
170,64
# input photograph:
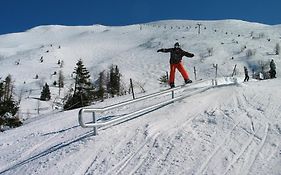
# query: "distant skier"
246,74
176,55
272,70
41,59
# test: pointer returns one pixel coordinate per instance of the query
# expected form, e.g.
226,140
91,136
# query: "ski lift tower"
199,27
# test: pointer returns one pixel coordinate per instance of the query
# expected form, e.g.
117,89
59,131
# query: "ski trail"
27,153
236,158
34,147
93,164
140,163
142,151
205,164
243,105
249,167
48,151
117,169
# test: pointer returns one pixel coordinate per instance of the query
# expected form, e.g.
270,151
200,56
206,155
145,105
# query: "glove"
192,55
160,50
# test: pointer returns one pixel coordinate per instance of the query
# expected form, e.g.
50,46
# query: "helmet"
177,45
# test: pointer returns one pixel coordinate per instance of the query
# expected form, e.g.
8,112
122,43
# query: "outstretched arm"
187,54
164,50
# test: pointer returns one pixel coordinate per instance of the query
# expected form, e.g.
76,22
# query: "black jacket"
272,65
246,71
176,54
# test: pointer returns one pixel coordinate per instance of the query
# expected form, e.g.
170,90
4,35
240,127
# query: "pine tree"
114,81
2,109
117,79
83,89
7,104
45,94
82,79
1,91
8,88
111,82
164,79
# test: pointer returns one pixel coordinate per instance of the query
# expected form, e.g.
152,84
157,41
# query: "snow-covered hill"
225,130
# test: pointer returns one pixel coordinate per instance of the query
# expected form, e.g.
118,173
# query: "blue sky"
20,15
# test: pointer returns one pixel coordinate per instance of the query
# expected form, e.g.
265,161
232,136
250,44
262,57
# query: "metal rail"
96,124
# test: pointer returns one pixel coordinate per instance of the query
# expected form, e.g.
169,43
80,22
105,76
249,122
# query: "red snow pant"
173,68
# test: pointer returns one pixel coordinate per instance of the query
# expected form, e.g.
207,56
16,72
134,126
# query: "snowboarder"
246,74
272,70
176,55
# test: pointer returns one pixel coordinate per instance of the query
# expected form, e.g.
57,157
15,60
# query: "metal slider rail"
95,125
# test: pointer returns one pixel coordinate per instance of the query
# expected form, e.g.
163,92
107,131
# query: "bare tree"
141,86
21,95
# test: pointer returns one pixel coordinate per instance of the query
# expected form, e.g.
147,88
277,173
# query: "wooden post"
132,87
195,73
216,70
38,107
234,71
95,131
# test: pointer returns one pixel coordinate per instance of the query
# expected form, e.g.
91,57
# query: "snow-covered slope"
225,130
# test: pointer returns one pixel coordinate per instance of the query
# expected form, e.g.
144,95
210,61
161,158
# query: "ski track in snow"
250,150
143,152
205,164
28,156
247,169
138,154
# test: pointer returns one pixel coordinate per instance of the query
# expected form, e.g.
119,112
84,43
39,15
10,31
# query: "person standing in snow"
272,69
176,55
246,74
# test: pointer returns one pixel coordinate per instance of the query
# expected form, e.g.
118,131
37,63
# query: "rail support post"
214,82
94,121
